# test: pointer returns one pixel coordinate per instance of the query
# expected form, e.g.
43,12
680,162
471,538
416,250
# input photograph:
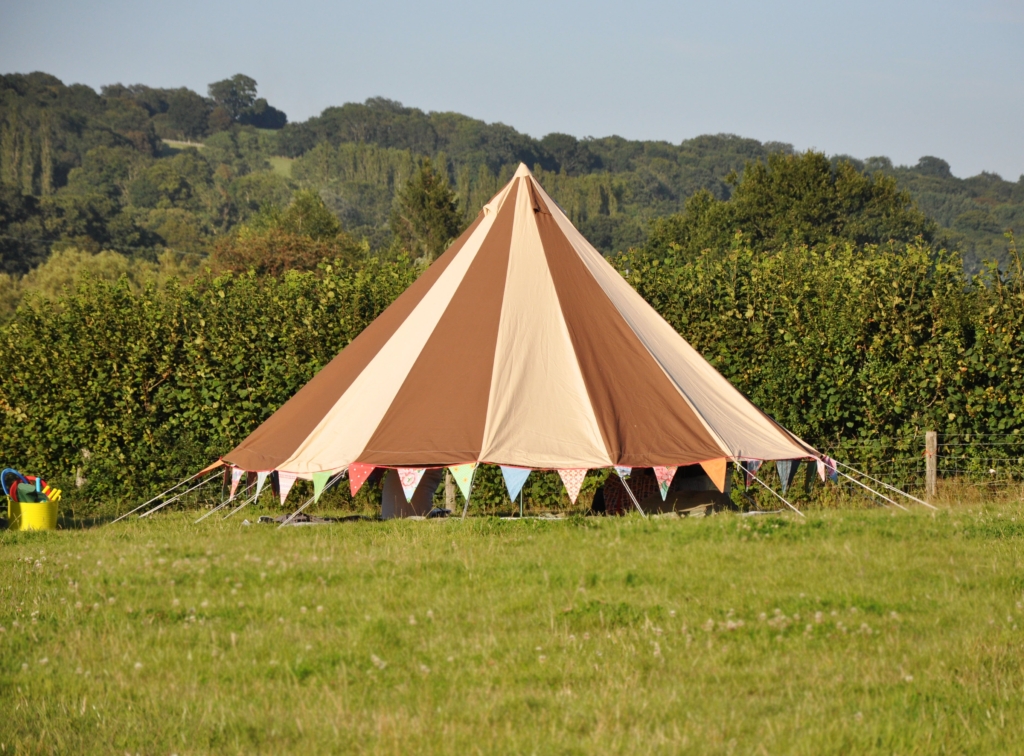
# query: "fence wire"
992,460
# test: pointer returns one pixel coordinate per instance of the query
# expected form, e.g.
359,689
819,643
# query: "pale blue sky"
902,79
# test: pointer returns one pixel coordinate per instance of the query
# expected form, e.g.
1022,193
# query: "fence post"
931,445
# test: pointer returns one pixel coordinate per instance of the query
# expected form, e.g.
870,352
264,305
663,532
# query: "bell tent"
520,346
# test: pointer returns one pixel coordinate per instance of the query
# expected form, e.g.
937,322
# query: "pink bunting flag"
664,476
410,478
820,464
357,475
573,480
236,476
285,481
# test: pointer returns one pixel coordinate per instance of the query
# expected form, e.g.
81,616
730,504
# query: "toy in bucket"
31,503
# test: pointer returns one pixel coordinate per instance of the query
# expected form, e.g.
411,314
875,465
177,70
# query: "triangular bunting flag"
319,481
236,476
715,469
410,478
820,464
463,475
261,478
207,469
357,475
623,472
787,471
514,477
750,468
832,469
664,476
573,480
285,481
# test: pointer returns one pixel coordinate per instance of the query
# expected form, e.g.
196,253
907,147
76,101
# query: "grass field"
281,165
849,632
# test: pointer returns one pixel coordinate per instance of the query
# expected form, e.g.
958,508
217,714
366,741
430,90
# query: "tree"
795,199
263,116
189,113
235,95
426,217
300,237
574,157
308,215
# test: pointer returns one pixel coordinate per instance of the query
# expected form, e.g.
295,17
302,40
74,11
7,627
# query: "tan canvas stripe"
280,435
343,431
539,413
437,418
643,418
742,429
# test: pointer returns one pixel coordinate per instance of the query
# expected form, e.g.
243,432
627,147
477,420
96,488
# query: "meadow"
850,631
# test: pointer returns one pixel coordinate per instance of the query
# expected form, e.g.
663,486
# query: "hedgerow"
846,346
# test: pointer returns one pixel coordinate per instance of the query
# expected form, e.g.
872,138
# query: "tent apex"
522,170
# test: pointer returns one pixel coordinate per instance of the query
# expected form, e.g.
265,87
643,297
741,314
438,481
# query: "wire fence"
992,460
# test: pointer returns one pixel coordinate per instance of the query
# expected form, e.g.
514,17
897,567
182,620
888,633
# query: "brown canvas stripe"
643,418
281,434
438,415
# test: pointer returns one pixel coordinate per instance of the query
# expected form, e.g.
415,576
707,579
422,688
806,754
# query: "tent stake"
160,506
777,496
891,488
141,506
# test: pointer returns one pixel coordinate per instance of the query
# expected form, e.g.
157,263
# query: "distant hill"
92,170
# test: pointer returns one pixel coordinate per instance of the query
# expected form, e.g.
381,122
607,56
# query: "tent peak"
522,171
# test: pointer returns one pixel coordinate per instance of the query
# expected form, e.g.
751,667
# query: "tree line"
92,170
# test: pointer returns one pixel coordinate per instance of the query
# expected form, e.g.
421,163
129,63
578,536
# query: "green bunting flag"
463,475
319,481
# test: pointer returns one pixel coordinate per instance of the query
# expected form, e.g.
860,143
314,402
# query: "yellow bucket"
25,515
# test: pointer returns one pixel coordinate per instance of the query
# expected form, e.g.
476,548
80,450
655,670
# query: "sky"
897,78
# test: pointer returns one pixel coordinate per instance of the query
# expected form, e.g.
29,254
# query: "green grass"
281,165
850,632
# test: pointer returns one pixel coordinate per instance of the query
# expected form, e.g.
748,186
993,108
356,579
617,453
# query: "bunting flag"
357,475
573,481
319,481
463,475
750,467
410,478
820,464
715,469
261,478
832,469
207,469
787,472
664,476
236,476
285,483
623,472
514,477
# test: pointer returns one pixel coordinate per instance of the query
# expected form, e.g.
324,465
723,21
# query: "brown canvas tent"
520,346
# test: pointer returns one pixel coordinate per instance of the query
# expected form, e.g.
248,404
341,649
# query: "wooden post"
449,490
931,446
